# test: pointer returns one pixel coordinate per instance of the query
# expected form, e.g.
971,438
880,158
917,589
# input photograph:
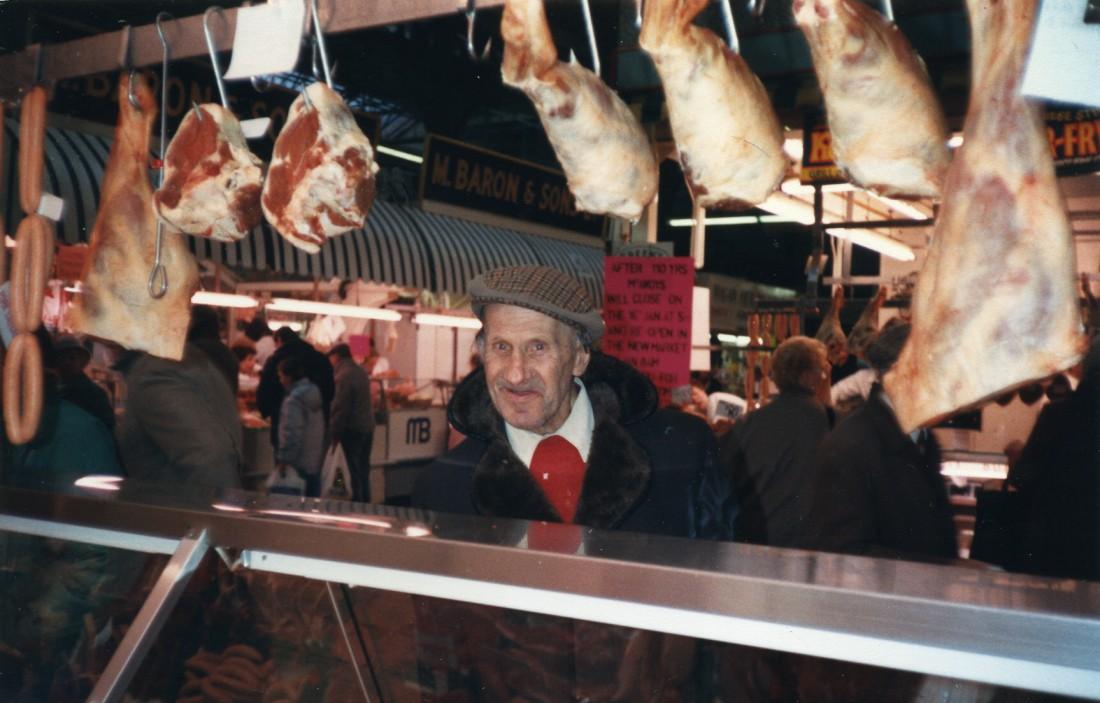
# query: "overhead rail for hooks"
99,53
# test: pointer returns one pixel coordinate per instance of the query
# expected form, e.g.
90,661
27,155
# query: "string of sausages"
29,270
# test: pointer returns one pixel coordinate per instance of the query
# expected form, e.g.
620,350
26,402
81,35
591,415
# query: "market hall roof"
400,244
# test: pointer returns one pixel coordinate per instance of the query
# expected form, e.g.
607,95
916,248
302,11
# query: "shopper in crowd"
71,442
270,392
376,364
258,331
770,453
70,360
181,425
559,432
878,490
301,445
205,333
352,422
843,362
1058,477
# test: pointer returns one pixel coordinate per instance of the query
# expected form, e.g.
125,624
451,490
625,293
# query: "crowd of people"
555,430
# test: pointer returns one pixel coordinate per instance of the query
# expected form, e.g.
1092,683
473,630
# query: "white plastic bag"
285,480
335,476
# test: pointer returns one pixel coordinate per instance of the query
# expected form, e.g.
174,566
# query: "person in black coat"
770,453
878,490
270,392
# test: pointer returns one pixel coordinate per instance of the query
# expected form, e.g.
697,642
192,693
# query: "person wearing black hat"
70,359
878,490
558,431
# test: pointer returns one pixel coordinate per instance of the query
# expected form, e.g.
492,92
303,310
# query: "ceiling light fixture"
876,242
739,340
318,308
907,209
399,154
734,220
427,318
223,300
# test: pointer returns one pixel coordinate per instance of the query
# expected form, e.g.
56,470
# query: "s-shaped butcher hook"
321,43
731,28
158,277
471,14
125,60
213,49
586,13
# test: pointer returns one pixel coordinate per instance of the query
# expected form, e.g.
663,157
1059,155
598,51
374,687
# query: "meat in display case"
128,594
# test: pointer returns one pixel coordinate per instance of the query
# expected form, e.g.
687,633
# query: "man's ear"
580,362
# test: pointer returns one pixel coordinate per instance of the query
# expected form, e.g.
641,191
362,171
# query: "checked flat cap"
539,288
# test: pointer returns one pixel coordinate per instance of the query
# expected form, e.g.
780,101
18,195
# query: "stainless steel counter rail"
986,626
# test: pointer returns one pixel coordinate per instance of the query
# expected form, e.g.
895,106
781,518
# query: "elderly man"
879,490
559,432
770,454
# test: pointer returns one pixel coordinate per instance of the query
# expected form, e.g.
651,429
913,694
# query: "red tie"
559,470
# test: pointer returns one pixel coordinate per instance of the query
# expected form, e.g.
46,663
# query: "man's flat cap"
539,288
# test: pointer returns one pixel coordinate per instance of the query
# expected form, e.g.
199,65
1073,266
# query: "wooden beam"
102,53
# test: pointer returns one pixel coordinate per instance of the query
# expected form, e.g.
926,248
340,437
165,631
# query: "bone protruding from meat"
995,305
212,181
321,182
606,156
728,137
866,327
114,303
888,130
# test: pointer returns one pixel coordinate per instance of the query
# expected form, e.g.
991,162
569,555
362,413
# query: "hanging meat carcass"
212,181
830,333
728,138
888,131
321,182
605,154
995,305
866,327
115,303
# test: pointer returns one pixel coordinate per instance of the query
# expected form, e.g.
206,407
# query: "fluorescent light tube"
427,318
318,308
876,242
399,154
224,300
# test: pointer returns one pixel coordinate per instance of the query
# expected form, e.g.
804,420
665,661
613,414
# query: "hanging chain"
22,387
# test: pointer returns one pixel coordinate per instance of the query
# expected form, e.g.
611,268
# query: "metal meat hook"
756,7
888,9
731,29
586,12
157,284
214,51
321,43
125,60
471,15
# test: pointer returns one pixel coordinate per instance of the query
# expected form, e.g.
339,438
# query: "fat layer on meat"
728,137
321,180
212,181
600,144
995,305
888,131
114,303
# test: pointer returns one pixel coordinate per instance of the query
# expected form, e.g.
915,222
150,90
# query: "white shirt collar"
577,428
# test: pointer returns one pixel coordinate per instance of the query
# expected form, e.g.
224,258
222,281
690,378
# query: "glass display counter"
117,592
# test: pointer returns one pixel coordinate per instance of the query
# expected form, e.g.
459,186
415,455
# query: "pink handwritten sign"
647,309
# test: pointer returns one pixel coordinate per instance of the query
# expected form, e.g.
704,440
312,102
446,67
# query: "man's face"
530,360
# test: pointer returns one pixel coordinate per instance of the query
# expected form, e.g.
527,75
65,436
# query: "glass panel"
250,636
64,607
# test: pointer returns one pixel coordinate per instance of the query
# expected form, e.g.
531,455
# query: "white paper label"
1063,65
51,207
267,39
255,128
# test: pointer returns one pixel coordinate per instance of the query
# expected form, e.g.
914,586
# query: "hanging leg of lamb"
115,303
830,333
606,156
995,305
888,131
321,180
866,327
729,139
212,181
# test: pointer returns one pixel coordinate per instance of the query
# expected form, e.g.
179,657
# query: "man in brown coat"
352,420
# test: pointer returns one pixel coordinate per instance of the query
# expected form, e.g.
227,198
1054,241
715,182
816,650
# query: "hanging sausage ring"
22,384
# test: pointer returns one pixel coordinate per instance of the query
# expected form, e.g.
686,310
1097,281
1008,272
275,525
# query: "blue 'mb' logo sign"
418,430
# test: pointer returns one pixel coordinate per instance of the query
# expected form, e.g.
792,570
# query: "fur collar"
618,469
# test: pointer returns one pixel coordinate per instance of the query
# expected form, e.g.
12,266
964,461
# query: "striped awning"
400,244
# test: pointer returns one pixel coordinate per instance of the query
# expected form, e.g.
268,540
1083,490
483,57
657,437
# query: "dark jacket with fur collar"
648,470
